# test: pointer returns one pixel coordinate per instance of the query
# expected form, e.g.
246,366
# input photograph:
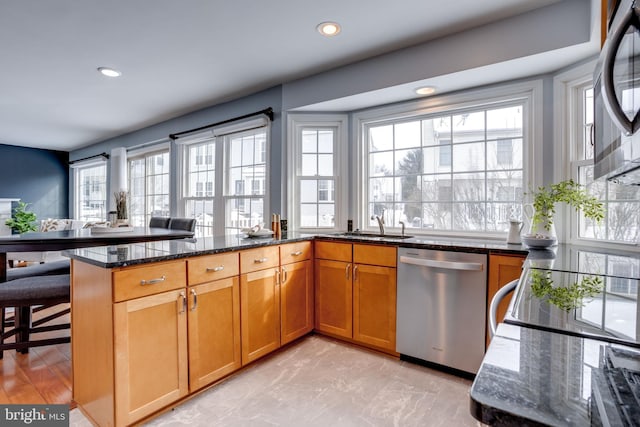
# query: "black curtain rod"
105,155
267,112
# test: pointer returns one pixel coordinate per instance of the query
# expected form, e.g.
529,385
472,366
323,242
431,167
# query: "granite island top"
143,253
533,377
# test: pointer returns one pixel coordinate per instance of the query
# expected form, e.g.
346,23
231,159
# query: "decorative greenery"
22,220
570,192
565,298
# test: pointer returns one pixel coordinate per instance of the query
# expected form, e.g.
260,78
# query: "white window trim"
142,152
294,124
531,92
76,168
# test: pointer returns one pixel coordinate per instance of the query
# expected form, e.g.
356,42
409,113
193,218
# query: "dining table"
81,238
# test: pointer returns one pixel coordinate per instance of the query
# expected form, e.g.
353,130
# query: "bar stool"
32,293
159,222
187,224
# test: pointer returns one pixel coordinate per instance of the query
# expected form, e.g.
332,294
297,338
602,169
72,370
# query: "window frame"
529,92
145,153
296,122
218,136
77,168
568,132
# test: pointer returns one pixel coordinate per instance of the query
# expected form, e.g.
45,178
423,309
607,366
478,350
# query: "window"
90,192
226,179
317,152
622,203
456,170
148,186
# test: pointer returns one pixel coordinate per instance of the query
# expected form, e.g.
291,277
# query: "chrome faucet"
402,224
380,220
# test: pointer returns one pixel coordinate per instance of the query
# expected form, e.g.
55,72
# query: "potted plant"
22,220
570,192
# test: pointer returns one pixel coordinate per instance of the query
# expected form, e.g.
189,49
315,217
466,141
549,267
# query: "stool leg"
23,321
2,322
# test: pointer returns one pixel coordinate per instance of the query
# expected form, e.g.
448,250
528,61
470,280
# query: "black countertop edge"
143,253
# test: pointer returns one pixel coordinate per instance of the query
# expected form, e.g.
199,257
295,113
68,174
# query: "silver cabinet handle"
153,281
195,299
284,275
346,271
355,273
182,307
296,253
215,269
260,260
277,277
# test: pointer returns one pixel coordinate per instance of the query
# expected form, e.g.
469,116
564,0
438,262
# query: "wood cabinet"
502,270
259,302
151,339
334,288
296,291
356,292
128,325
214,318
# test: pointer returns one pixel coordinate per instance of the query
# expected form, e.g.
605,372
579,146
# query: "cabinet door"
260,314
151,367
296,300
334,297
374,305
214,331
502,270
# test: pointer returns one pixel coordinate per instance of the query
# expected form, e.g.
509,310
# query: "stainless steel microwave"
617,99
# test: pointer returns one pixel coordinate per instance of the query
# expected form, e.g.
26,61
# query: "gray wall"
38,177
268,98
563,24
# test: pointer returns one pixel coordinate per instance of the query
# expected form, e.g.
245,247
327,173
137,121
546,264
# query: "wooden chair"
188,224
32,294
159,222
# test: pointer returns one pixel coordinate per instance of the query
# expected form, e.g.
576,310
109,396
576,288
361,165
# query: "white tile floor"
322,382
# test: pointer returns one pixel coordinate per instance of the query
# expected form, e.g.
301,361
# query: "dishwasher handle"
449,265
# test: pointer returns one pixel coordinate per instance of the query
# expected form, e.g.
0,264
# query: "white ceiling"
180,56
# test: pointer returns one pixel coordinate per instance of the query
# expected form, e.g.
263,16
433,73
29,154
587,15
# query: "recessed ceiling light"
329,29
425,90
109,72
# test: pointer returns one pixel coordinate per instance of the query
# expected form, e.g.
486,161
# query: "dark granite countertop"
547,361
533,377
142,253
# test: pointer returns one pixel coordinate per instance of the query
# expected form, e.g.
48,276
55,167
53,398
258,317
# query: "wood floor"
42,376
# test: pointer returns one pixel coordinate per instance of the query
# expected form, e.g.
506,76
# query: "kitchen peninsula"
137,311
120,291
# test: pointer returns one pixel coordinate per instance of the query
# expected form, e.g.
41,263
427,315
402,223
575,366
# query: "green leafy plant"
22,220
570,192
564,297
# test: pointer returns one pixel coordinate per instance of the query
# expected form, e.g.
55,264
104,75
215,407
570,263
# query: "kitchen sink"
374,235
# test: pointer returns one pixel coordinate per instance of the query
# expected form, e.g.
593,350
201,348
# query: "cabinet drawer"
206,268
375,255
294,252
135,282
334,251
259,259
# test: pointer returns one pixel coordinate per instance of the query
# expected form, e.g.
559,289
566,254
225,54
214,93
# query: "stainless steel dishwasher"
441,313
